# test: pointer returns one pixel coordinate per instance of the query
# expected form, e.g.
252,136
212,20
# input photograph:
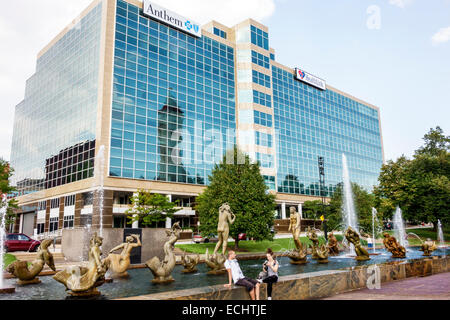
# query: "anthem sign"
161,14
310,79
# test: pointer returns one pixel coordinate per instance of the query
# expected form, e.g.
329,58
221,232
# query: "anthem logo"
171,18
301,74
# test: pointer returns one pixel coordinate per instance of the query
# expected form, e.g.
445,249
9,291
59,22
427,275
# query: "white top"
236,271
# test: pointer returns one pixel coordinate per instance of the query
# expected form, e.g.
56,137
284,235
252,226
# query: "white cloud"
443,35
400,3
26,27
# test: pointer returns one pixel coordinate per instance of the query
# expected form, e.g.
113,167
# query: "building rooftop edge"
249,20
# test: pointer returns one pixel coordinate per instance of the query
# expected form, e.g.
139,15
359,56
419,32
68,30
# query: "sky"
394,54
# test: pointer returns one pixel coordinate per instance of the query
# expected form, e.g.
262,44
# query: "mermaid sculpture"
28,275
118,264
162,269
299,254
428,247
189,263
319,253
353,237
216,263
333,248
82,281
391,245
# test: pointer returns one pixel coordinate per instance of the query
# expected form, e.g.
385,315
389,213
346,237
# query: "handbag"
263,274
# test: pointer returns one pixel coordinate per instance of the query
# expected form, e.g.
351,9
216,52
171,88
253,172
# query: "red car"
20,242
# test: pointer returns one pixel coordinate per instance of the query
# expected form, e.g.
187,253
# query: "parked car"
211,238
197,238
20,242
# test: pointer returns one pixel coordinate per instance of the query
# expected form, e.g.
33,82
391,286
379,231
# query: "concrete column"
78,206
168,220
300,210
283,210
135,224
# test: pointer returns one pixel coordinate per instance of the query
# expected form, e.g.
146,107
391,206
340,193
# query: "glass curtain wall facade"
309,123
173,111
58,115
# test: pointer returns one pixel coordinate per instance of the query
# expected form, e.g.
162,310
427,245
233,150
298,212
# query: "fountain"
333,247
399,228
27,274
3,210
350,217
441,235
162,270
99,183
391,245
118,264
427,246
216,261
190,263
374,214
299,254
353,237
83,281
319,253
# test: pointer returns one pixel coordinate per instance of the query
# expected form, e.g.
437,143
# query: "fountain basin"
139,283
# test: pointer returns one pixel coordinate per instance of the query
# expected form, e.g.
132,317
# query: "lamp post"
321,164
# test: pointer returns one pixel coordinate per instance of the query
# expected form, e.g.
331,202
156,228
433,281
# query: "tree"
435,143
150,208
421,186
5,188
312,209
364,202
241,186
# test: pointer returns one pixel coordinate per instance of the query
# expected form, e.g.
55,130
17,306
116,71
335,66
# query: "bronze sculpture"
83,281
353,237
333,248
118,264
189,263
28,274
162,270
226,218
319,253
428,247
391,245
299,254
216,263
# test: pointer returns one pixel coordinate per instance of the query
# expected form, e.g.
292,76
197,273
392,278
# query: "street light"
321,163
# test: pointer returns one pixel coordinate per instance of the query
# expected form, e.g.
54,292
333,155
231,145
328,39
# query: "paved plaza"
436,287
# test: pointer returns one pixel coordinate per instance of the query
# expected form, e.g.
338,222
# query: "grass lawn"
424,234
278,245
8,259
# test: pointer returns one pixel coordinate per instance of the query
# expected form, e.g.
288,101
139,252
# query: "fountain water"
374,214
399,228
99,183
350,218
440,235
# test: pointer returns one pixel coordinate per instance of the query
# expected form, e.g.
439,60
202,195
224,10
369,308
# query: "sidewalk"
436,287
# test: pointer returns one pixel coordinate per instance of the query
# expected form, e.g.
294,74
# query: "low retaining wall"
75,243
315,285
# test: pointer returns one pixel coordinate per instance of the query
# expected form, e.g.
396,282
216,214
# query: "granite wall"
317,284
75,243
